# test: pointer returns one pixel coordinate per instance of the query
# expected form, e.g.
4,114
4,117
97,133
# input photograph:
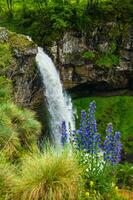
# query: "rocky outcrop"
17,62
82,70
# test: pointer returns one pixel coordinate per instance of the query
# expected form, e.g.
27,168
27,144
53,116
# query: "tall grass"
18,128
7,176
53,175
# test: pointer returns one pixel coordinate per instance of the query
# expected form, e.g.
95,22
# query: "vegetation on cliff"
46,22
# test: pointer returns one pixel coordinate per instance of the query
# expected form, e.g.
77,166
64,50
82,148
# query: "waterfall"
59,103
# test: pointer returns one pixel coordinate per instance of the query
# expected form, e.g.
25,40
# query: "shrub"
107,60
53,175
89,55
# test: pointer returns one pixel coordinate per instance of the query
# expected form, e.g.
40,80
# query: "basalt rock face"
18,64
76,57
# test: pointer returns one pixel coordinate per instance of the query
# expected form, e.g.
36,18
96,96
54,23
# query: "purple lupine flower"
117,147
92,128
108,143
83,120
109,128
86,137
112,146
79,134
92,125
64,135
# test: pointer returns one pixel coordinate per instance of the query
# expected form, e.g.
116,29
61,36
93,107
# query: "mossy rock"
3,35
13,45
20,42
16,41
6,58
17,62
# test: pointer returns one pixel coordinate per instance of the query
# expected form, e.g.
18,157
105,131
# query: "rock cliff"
88,64
98,64
17,62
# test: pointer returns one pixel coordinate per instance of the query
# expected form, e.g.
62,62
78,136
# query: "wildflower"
83,120
113,184
86,137
87,194
112,145
94,191
64,135
116,188
117,147
87,170
87,140
109,128
91,183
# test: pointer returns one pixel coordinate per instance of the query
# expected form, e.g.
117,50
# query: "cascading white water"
59,105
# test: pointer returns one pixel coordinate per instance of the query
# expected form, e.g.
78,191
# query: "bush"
53,175
107,60
89,55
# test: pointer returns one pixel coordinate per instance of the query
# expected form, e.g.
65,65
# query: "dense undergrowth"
47,20
26,170
79,171
72,172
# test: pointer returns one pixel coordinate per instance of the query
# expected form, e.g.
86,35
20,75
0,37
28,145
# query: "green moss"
20,42
9,43
88,55
5,56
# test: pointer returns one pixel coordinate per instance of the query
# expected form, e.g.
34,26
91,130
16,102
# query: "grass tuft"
49,176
